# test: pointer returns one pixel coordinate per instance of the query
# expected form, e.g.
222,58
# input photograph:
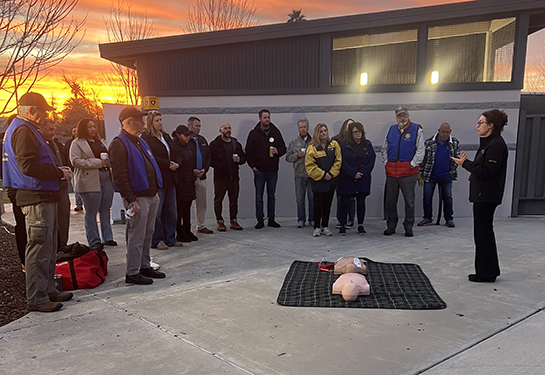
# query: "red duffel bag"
85,271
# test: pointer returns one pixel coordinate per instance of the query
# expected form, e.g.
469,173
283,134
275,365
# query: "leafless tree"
124,25
35,36
212,15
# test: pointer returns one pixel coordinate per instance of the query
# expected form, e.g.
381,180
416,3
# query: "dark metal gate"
529,188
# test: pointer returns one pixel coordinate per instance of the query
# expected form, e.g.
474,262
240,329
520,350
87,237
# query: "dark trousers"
486,252
322,207
183,223
347,201
445,188
220,189
20,227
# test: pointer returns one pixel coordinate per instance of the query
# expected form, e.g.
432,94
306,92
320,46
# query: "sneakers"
350,224
154,265
300,224
342,231
425,222
260,224
389,231
338,225
450,223
150,272
161,246
49,306
316,232
361,230
274,224
138,279
205,230
62,297
326,232
176,244
235,225
221,226
409,232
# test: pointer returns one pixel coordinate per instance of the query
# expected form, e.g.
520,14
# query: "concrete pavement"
216,312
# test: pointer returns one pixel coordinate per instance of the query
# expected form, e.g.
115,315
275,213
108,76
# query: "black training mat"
393,286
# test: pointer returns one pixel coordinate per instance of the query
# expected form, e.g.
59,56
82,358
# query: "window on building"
472,52
387,58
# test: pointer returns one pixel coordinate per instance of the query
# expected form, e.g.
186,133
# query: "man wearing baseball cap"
29,167
402,152
138,180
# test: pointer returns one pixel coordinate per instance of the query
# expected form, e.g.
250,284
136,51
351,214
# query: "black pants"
20,227
183,223
486,252
231,188
346,201
322,207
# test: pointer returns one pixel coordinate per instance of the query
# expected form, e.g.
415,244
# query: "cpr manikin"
351,283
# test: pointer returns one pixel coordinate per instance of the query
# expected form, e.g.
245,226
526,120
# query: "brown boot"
62,297
49,306
234,225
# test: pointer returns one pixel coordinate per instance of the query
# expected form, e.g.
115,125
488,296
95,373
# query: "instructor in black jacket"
264,148
486,187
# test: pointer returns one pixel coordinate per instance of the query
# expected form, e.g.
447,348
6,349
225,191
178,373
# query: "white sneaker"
154,265
316,232
326,232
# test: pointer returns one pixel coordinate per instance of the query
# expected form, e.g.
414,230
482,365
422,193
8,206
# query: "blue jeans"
260,179
351,210
302,188
165,223
99,202
445,188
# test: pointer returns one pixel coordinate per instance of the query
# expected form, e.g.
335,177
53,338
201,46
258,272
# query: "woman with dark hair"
358,160
93,181
341,138
160,143
185,183
323,164
486,187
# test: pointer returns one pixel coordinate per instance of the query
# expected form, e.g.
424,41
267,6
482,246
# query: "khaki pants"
200,202
41,251
139,234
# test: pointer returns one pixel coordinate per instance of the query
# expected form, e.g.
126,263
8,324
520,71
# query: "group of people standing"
158,177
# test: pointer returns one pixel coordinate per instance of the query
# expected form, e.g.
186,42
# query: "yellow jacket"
312,159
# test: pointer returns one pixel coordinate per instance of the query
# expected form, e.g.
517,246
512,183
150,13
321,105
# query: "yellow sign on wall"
150,102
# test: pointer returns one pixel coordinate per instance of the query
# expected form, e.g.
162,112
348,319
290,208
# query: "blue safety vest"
402,146
11,174
136,164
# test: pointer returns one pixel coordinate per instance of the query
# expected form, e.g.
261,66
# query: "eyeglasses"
481,122
356,131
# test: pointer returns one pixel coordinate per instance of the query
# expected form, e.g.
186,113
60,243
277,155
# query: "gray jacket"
291,155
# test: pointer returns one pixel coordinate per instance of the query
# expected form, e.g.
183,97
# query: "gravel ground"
12,279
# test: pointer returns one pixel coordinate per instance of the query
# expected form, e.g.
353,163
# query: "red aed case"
84,272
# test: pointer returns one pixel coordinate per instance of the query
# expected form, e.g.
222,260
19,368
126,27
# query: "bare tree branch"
125,25
212,15
35,36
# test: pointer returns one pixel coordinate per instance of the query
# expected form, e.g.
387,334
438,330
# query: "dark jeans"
347,201
486,252
220,189
165,223
260,179
183,223
322,207
406,185
445,188
20,227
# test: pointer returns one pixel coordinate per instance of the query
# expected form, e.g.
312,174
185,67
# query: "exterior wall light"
434,77
363,79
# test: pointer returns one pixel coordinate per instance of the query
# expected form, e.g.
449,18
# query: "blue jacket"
11,174
135,164
347,184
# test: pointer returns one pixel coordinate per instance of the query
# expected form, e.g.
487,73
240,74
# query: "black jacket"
225,169
185,178
258,145
205,152
488,170
161,156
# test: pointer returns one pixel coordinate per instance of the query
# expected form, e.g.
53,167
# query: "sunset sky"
168,16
